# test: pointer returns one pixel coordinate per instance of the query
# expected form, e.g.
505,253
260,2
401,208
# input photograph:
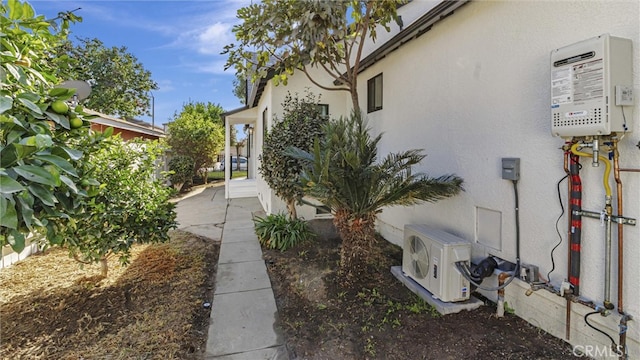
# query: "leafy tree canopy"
240,88
197,132
120,83
305,34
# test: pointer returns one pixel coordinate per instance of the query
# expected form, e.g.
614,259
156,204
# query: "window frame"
374,90
324,110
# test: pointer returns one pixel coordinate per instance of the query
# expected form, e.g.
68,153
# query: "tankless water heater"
592,87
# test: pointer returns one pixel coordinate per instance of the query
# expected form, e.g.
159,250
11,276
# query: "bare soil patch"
51,308
378,318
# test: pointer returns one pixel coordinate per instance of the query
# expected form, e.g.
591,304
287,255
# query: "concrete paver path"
244,313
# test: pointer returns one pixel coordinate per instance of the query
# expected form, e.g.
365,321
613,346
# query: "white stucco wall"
475,89
409,13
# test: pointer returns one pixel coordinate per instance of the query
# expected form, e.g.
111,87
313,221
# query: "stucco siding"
475,89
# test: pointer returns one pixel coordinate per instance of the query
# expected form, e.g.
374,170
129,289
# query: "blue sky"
179,42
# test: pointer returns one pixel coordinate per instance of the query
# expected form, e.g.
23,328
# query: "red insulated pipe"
576,223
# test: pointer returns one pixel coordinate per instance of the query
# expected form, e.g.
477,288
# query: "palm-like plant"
343,173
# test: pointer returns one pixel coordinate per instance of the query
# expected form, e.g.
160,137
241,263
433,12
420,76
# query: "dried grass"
51,308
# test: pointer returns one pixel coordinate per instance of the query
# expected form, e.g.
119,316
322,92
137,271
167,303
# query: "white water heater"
592,87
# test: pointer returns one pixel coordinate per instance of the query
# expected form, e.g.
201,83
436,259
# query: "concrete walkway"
244,313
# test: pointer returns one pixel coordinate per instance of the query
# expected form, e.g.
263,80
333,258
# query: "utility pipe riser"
596,152
607,259
576,224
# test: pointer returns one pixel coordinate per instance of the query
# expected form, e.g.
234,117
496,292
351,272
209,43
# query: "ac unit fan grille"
419,257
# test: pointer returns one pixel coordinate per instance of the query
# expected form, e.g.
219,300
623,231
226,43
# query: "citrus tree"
300,125
41,154
343,172
128,204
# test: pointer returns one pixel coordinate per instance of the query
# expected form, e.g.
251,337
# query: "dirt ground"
379,318
51,308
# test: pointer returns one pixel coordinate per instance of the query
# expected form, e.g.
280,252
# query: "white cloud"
214,67
165,85
213,38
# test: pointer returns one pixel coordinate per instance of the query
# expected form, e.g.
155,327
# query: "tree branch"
304,70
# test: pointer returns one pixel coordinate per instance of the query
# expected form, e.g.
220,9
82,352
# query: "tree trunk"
355,101
104,267
291,208
358,238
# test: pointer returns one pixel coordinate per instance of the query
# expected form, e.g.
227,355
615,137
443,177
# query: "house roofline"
413,31
234,111
107,120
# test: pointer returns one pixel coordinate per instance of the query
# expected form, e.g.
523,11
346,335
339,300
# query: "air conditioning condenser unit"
429,257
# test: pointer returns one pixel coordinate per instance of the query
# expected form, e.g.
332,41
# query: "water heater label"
588,80
561,89
573,114
580,82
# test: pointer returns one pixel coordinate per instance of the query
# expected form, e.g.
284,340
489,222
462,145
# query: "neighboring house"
127,129
470,83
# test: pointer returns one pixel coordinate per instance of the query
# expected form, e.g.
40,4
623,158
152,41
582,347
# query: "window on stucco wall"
324,110
264,124
374,93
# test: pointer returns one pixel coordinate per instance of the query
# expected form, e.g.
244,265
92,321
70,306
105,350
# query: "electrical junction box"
511,168
591,83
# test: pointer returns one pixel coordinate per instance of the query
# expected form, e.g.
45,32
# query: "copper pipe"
631,170
623,322
616,174
501,279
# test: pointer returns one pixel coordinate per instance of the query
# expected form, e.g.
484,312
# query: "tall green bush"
181,168
301,123
198,132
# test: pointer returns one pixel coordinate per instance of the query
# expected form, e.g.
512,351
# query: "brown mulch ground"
379,318
51,308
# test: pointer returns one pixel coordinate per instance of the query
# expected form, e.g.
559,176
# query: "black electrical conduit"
467,272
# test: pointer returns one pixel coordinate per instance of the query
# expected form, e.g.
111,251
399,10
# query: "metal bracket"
599,215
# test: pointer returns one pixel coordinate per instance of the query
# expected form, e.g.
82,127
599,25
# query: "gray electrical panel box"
511,168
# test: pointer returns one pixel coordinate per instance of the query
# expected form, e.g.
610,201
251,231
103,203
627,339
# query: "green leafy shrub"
181,168
277,231
301,123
